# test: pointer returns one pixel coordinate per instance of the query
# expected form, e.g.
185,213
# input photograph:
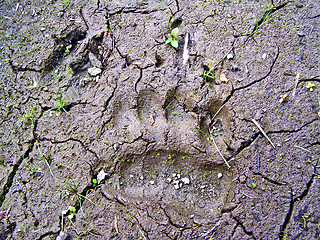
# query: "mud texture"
107,132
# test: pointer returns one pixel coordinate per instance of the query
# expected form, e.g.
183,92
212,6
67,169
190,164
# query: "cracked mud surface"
142,148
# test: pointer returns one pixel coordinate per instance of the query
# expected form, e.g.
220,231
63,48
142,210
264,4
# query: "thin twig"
220,152
211,138
302,148
218,111
116,224
264,134
295,84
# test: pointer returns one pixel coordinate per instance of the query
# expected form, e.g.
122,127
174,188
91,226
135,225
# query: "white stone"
185,180
264,56
219,175
169,180
141,178
230,56
175,182
94,71
101,175
152,182
176,186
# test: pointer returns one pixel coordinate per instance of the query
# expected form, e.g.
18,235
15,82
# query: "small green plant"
57,77
208,74
70,190
94,181
68,48
61,105
173,38
46,158
28,117
66,2
305,216
310,86
254,185
264,19
72,212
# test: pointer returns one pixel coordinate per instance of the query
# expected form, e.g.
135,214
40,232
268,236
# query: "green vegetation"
61,105
68,48
46,158
173,38
310,86
28,117
266,17
208,74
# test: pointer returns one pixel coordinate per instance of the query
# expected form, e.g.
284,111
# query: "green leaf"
72,209
175,31
169,40
174,43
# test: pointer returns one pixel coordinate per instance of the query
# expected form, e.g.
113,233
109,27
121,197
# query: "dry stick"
295,84
220,152
215,142
218,111
116,224
264,134
302,148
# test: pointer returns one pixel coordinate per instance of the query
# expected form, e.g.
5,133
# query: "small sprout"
68,48
283,98
173,39
308,161
61,105
310,86
72,212
94,181
254,185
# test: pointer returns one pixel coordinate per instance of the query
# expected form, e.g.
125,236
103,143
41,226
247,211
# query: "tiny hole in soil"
159,61
176,23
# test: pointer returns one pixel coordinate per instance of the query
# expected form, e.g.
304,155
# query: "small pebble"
299,167
116,146
42,29
176,186
94,71
141,178
175,182
152,182
185,180
101,176
191,216
264,56
169,180
230,56
219,175
242,179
